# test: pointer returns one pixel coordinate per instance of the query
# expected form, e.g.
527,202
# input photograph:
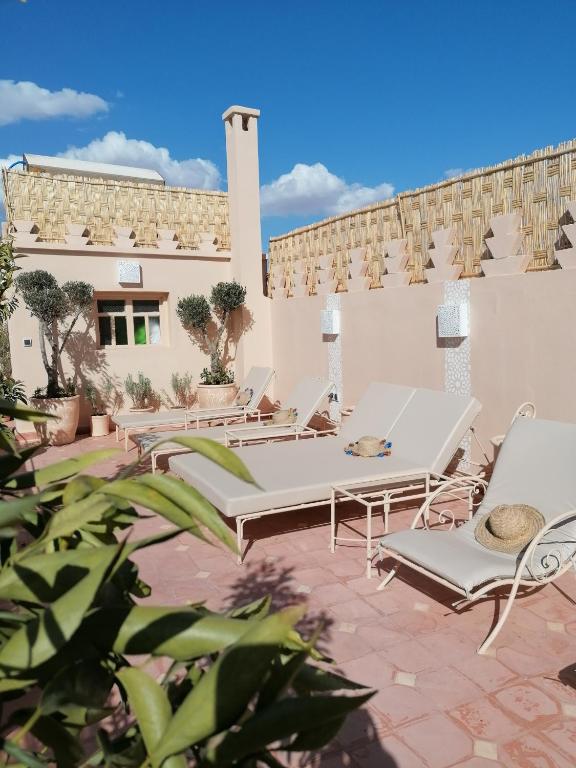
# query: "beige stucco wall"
82,359
523,343
523,346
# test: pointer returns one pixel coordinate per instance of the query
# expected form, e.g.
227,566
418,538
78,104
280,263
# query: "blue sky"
358,99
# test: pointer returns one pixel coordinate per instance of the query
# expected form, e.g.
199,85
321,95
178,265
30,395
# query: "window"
126,322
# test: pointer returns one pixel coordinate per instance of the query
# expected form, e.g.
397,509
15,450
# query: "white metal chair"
536,466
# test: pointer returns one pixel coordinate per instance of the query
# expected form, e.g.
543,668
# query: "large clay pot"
100,425
216,395
62,429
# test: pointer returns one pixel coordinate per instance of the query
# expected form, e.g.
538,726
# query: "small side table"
375,493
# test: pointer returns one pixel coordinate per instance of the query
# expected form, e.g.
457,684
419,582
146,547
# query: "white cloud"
116,148
28,101
452,173
314,190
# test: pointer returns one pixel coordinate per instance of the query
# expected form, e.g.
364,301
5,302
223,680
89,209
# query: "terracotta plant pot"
216,395
100,425
62,429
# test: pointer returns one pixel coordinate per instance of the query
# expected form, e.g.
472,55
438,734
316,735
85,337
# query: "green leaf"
69,519
221,696
25,414
80,487
44,636
10,463
138,493
258,609
190,500
216,452
14,512
44,578
67,750
282,720
25,757
149,703
180,633
61,470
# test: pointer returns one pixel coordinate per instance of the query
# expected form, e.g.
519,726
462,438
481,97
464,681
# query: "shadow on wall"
89,364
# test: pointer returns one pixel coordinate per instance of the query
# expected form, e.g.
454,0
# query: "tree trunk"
50,364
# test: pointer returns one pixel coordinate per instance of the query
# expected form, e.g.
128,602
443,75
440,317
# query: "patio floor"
438,704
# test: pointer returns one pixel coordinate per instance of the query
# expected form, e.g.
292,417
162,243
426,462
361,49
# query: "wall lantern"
453,321
129,272
330,322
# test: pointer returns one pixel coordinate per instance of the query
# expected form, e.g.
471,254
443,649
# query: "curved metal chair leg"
501,621
388,578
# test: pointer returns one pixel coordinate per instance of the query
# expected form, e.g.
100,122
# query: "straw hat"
286,416
244,396
367,446
509,527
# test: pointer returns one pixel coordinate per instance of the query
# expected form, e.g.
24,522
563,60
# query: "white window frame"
130,314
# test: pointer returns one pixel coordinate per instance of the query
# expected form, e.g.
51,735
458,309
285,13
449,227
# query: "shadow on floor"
263,578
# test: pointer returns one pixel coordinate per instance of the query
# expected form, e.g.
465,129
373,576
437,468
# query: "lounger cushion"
287,473
430,427
536,466
160,418
377,411
304,472
451,555
307,397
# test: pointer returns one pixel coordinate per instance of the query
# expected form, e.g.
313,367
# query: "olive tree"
199,316
57,309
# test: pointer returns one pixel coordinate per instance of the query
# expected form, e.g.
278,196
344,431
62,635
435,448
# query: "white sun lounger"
306,398
426,428
258,380
536,466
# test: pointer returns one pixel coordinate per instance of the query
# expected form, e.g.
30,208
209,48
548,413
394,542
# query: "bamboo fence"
53,202
538,186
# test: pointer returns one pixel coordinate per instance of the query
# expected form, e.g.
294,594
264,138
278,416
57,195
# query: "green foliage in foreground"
76,646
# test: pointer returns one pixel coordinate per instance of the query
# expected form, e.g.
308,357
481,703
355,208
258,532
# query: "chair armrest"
453,487
554,562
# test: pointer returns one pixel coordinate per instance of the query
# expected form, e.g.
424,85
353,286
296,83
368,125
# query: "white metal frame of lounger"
186,422
412,487
559,566
305,432
242,519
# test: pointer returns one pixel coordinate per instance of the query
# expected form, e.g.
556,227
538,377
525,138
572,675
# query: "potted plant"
99,420
140,391
58,309
208,323
182,392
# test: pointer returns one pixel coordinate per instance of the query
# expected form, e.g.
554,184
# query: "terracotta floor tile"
563,735
369,670
438,741
389,753
329,594
407,632
401,704
527,702
526,663
529,751
353,610
314,577
484,720
447,687
378,635
485,671
410,656
361,728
